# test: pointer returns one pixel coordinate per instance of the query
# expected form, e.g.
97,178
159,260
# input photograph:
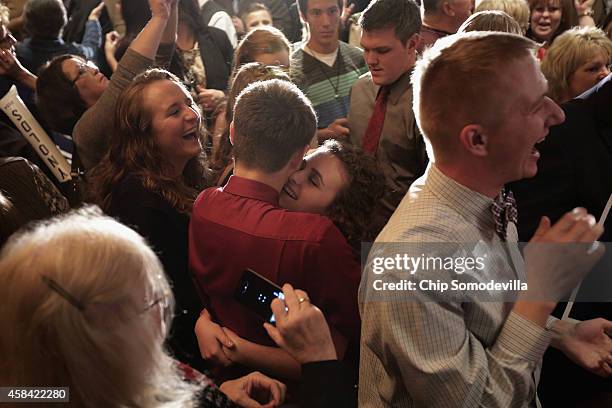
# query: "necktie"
377,120
504,211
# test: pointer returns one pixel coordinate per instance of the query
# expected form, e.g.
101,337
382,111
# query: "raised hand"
161,8
583,6
347,12
9,64
96,12
559,256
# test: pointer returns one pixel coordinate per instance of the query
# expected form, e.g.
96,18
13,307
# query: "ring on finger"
303,299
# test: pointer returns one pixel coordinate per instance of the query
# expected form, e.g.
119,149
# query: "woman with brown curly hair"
149,178
340,181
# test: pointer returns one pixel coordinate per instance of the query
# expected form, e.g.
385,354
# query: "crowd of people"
210,137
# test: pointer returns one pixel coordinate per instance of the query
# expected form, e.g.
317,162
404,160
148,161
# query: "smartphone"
257,293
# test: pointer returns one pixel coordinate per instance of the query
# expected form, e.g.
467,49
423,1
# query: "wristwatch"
589,13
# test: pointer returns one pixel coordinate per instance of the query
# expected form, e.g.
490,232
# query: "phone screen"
256,293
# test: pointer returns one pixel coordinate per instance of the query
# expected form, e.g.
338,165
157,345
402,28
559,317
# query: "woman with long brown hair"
149,178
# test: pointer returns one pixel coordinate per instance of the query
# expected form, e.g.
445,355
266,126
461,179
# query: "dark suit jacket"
575,169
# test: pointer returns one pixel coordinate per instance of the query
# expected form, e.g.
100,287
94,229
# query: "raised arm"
160,28
89,136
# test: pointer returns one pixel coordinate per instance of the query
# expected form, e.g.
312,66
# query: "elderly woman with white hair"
86,305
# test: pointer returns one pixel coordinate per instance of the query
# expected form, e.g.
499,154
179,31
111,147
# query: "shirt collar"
251,189
435,30
471,205
398,88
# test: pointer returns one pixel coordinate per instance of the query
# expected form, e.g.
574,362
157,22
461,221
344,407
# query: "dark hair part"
134,151
403,15
52,86
303,7
45,18
136,14
272,121
352,208
189,13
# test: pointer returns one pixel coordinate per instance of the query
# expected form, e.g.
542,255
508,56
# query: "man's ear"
414,41
474,140
448,9
231,131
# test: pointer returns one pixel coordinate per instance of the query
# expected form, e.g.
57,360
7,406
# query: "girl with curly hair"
340,181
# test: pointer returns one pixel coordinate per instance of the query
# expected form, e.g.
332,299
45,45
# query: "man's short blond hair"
459,81
491,20
568,52
517,9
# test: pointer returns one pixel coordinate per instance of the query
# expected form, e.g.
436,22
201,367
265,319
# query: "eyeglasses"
163,300
84,68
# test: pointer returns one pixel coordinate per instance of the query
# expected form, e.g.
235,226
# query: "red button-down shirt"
240,226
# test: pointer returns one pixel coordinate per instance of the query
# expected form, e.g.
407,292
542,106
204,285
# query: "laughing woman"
149,178
549,18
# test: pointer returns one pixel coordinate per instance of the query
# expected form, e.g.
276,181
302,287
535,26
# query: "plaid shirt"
462,354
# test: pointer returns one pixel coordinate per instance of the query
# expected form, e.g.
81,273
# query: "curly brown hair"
134,152
351,210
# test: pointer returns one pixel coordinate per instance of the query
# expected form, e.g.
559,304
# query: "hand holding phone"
256,293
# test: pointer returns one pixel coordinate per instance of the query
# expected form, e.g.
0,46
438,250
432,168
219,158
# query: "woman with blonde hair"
266,45
86,306
517,9
576,61
491,20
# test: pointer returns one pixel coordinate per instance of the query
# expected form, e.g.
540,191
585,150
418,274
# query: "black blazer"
217,55
575,169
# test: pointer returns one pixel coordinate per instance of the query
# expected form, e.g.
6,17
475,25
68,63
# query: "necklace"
338,61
